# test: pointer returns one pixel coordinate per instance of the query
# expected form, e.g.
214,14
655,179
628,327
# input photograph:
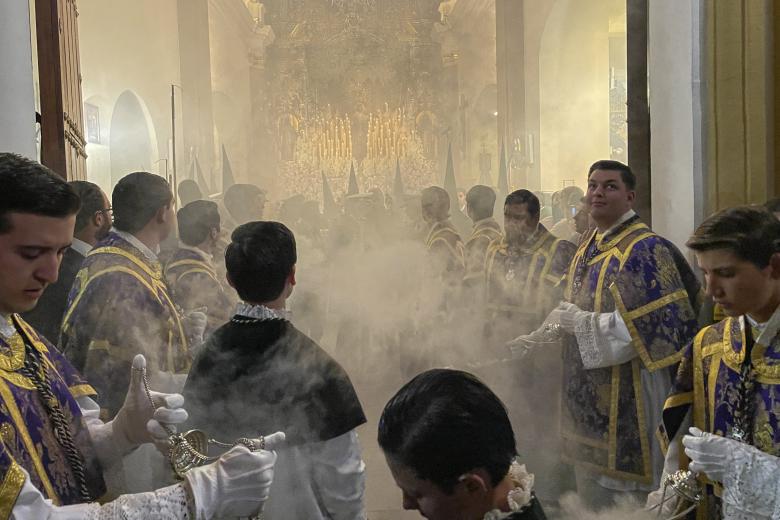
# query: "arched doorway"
132,139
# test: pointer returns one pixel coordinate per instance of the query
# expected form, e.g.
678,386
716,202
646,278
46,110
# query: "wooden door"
62,117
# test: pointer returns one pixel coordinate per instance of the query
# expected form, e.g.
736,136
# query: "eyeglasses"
108,211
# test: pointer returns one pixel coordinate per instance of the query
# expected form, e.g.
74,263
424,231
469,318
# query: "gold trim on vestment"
81,390
673,401
12,484
155,273
698,382
712,385
644,442
600,283
197,271
653,306
636,338
613,417
21,428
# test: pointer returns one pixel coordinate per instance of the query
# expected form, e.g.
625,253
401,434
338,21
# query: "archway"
131,139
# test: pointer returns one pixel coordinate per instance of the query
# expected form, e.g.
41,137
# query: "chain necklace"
742,430
35,370
592,250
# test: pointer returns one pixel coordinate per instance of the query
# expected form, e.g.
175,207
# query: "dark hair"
444,423
91,202
196,220
750,232
481,199
524,197
260,257
439,198
773,205
136,198
29,187
626,175
189,191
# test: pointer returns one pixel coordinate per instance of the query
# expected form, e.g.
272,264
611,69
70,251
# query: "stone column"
17,94
510,56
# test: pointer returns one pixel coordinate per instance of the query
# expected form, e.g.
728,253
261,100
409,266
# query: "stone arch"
132,137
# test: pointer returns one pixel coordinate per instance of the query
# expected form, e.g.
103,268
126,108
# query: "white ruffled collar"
520,496
261,312
7,328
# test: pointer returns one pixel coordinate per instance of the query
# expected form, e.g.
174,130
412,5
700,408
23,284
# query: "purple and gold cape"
119,306
634,271
26,435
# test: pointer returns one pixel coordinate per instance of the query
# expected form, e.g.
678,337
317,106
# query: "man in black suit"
92,224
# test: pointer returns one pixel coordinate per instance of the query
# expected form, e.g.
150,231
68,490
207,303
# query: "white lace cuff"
170,503
751,489
585,327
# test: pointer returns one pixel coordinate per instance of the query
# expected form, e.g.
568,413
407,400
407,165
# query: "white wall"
675,112
17,101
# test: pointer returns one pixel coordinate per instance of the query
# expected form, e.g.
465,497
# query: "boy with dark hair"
451,449
269,374
54,446
190,273
726,384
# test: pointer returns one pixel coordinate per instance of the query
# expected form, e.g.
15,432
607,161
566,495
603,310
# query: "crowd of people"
617,367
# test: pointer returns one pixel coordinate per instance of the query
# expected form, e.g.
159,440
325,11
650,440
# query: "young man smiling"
627,312
728,381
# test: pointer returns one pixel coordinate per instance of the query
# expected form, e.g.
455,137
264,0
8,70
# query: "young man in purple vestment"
629,307
53,445
728,382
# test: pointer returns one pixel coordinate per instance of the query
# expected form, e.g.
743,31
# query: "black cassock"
255,377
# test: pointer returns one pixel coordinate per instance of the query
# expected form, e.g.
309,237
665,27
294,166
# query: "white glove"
710,454
136,422
194,323
546,333
237,484
565,315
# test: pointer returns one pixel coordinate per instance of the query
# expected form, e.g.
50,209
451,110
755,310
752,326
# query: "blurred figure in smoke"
627,313
450,447
443,241
480,201
92,224
523,270
243,203
55,446
190,273
189,191
566,228
258,372
583,224
120,305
